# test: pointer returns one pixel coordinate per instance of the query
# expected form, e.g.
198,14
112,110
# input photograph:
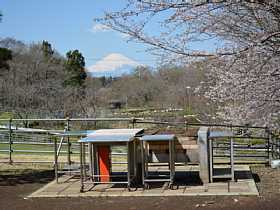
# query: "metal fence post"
94,124
68,143
10,142
268,145
133,122
278,146
186,126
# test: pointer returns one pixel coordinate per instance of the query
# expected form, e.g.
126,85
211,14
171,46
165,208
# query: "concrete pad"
71,188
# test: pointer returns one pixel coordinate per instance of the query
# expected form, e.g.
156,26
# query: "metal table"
57,148
146,177
108,137
215,135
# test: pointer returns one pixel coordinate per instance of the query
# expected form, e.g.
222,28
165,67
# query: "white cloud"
103,28
100,28
111,63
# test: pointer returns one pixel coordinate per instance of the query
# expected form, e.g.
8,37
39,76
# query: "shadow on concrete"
189,178
256,177
13,178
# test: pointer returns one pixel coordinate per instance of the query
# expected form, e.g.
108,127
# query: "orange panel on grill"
104,163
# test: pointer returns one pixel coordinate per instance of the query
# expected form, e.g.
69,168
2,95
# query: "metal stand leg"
55,160
232,159
90,160
84,161
10,142
69,155
143,163
128,166
134,160
211,159
81,168
68,147
172,150
146,155
170,162
96,166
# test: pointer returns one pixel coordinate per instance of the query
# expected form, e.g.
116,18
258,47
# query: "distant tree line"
37,79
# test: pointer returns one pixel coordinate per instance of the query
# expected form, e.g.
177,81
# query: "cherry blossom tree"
239,38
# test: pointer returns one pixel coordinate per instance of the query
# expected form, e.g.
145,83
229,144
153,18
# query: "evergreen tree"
75,68
47,49
5,55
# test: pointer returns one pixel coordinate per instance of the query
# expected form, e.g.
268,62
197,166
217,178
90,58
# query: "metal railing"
275,145
14,137
244,151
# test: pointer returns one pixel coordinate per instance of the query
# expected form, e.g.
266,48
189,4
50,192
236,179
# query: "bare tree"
33,83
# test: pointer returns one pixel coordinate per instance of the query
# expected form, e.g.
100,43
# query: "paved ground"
187,184
15,187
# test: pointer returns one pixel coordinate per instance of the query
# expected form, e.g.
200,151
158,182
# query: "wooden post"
10,142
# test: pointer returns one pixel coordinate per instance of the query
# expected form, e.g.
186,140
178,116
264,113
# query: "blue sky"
68,25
